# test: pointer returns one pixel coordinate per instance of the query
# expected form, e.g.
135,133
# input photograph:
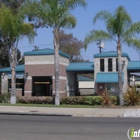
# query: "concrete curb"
33,114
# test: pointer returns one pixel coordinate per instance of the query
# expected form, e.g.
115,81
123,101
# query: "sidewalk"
75,112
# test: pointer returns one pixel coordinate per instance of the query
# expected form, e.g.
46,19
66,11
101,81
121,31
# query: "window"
101,64
116,64
109,64
19,83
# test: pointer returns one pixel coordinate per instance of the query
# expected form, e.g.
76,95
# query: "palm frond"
34,9
102,15
27,30
132,31
132,96
106,99
96,35
120,22
72,4
12,25
121,14
68,21
133,42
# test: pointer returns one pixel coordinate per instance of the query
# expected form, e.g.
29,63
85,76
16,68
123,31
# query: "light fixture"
25,74
3,75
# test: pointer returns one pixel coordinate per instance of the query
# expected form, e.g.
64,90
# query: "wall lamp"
3,74
25,74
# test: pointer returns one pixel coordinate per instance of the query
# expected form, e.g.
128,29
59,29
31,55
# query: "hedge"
73,100
35,100
86,100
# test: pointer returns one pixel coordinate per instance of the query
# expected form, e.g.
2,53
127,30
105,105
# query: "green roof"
19,68
133,65
108,77
84,78
46,51
110,54
80,66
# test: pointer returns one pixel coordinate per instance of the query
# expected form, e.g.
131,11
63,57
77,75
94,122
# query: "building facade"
36,76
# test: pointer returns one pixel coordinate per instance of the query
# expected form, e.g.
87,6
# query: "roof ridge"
110,54
110,51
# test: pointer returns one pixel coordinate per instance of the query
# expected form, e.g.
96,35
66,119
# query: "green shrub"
73,100
93,100
34,100
5,98
86,100
132,96
115,100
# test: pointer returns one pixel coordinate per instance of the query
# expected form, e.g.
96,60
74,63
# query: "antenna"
101,45
36,47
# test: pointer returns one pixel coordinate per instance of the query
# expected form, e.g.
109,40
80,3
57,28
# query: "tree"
14,5
4,57
55,14
70,45
14,28
120,29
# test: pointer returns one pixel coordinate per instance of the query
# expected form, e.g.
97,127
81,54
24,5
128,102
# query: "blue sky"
85,25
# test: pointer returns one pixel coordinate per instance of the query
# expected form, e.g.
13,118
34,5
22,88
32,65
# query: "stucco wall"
45,59
124,66
86,84
86,91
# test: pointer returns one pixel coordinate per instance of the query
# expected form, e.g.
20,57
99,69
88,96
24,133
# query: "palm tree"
14,28
55,14
119,28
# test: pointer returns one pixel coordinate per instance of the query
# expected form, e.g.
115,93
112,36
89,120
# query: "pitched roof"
84,78
46,51
133,65
110,54
108,77
80,66
19,68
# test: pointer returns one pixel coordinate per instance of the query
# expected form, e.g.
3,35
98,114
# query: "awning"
108,77
81,66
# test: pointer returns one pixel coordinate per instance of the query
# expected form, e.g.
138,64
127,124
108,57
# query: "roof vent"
36,48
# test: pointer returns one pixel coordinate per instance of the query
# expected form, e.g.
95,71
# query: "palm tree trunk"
13,77
56,62
119,51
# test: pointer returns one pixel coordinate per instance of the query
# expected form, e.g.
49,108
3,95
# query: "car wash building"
36,76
